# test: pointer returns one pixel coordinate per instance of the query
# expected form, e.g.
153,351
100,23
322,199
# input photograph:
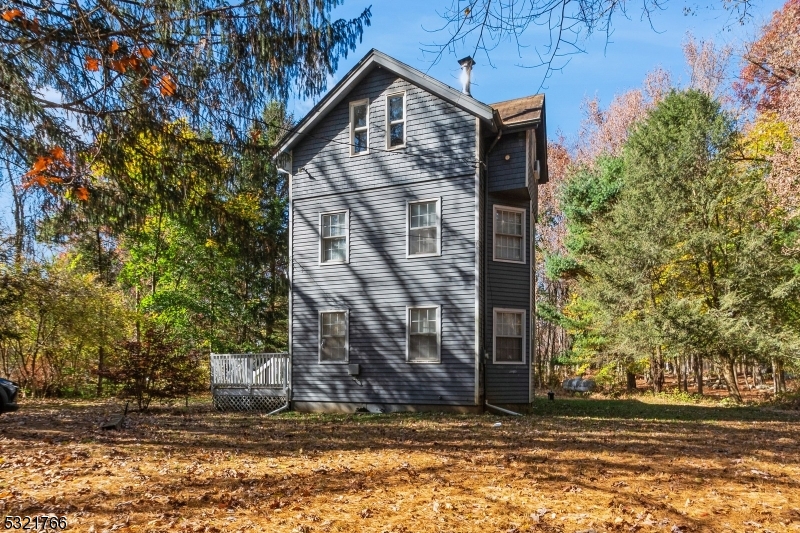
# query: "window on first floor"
509,336
333,341
509,234
423,342
333,237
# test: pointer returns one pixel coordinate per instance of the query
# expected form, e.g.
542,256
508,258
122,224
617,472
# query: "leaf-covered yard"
577,465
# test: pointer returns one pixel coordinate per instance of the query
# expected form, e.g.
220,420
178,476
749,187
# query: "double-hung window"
424,228
333,234
423,340
359,127
396,120
509,336
333,341
509,234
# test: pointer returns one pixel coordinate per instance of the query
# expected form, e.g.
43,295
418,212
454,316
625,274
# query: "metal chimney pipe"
466,74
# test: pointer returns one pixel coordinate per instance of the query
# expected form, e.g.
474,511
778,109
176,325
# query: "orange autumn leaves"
16,16
45,173
132,62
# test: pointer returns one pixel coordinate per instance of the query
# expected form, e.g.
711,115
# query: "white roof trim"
412,75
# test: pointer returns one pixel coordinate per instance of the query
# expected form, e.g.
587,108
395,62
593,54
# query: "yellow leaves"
768,135
92,64
12,14
167,85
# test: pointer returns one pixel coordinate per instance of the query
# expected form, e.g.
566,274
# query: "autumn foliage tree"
83,83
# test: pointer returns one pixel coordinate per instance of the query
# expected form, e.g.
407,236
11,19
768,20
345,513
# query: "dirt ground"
574,466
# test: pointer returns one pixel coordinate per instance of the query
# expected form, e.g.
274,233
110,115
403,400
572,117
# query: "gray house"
411,244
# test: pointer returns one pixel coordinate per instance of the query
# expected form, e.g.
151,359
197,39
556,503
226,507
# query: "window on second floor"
424,228
396,120
333,237
509,234
359,127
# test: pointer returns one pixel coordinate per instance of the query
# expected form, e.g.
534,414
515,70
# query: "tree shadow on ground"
630,409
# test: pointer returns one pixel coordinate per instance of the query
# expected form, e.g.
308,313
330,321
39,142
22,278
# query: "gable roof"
370,61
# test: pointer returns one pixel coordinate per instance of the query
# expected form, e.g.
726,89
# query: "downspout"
504,411
499,122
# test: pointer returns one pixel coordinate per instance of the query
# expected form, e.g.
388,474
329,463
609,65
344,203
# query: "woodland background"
147,222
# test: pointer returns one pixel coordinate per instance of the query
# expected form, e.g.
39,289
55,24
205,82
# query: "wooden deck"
250,382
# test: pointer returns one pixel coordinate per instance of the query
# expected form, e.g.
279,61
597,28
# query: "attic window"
359,127
396,120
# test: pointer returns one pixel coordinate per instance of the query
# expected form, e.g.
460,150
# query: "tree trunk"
778,376
729,373
657,369
631,381
101,355
678,374
698,373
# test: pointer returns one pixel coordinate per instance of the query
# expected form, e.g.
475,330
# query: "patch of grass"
574,465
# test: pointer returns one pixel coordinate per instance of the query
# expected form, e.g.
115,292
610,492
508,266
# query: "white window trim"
352,127
494,233
438,333
346,336
346,238
389,122
438,252
494,335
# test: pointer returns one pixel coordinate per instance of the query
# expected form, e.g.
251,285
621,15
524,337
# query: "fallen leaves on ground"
197,470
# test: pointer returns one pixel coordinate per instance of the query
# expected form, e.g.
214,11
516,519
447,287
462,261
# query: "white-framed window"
509,234
396,120
334,344
424,227
334,231
509,336
359,127
423,334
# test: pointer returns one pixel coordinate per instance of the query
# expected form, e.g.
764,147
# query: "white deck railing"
268,370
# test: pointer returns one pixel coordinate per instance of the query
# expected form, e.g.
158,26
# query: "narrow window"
509,331
509,234
359,127
396,120
424,228
333,237
333,345
423,340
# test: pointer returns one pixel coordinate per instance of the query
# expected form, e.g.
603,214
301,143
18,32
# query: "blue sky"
635,48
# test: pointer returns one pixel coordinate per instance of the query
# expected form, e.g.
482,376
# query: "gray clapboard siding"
379,281
508,175
440,142
508,286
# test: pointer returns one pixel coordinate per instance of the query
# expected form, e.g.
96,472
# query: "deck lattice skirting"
250,382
